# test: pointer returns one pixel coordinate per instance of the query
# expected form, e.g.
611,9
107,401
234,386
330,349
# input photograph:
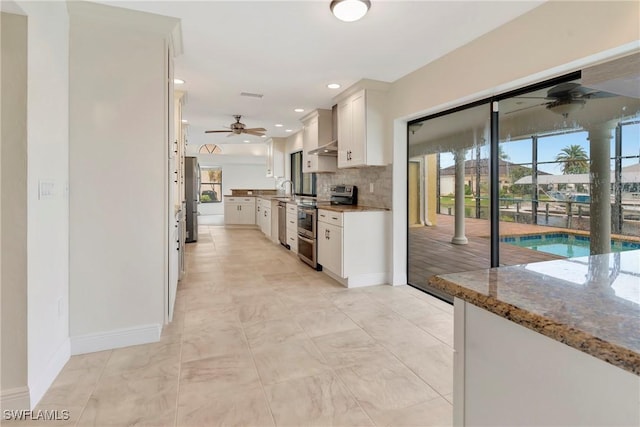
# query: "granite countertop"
589,303
349,208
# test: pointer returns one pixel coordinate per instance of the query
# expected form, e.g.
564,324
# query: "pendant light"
350,10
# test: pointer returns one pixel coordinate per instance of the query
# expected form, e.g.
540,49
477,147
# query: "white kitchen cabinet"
330,247
316,132
292,227
239,210
275,156
352,246
361,129
265,217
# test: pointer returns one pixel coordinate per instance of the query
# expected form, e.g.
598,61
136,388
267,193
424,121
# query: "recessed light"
246,140
185,121
333,86
178,81
288,130
279,125
263,136
299,110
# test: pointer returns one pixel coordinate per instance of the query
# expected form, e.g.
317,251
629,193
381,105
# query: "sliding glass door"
564,173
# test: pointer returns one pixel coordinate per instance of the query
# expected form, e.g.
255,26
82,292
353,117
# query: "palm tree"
574,160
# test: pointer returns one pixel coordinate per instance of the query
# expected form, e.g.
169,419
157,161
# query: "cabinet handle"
328,233
308,163
335,218
290,222
323,216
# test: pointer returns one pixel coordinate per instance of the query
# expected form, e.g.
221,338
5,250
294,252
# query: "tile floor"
260,339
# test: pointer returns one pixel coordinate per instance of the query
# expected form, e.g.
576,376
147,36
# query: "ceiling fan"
238,128
565,98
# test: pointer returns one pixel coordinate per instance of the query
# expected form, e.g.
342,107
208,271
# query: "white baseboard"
360,280
40,385
116,338
14,399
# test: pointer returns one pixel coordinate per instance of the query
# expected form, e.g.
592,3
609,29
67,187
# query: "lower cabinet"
330,248
352,246
292,227
240,210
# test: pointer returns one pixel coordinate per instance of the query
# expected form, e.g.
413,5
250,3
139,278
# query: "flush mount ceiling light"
333,86
279,125
178,81
299,110
349,10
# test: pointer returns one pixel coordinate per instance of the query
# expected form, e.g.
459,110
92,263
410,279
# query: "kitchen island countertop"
590,303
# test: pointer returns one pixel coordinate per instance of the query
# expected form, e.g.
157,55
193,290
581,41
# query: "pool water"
564,244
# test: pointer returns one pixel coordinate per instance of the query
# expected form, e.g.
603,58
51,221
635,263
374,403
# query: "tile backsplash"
379,176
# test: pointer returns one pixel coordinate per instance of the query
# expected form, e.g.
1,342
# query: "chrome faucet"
282,185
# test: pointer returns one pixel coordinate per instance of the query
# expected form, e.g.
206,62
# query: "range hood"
330,149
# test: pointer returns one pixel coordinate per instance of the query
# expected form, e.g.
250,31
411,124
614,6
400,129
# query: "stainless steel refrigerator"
192,194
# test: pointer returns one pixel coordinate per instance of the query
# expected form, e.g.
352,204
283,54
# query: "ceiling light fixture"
299,110
564,107
178,81
333,86
349,10
246,140
185,121
278,125
287,130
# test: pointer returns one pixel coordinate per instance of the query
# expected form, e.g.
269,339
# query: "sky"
549,147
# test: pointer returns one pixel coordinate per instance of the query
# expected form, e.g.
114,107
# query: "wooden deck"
431,251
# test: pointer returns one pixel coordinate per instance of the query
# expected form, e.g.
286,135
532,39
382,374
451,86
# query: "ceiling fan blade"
256,129
531,97
250,132
217,131
525,108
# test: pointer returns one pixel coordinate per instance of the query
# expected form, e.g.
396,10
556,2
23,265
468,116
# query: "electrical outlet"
371,187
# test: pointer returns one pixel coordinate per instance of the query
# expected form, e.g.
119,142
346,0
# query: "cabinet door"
344,132
246,214
266,224
358,146
309,142
330,247
270,159
231,213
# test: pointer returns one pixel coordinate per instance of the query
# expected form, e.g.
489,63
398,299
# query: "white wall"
48,216
238,172
550,40
118,175
13,213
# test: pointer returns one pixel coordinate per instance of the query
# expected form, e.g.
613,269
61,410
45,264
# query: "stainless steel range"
307,221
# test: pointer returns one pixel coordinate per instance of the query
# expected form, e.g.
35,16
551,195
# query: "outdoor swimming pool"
564,244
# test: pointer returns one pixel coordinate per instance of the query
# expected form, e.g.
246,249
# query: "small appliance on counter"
344,195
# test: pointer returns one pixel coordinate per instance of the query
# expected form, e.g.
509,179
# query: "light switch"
46,189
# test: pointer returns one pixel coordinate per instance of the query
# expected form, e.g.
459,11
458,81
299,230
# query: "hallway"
260,339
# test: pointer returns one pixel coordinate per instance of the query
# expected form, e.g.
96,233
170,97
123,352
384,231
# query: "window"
211,185
304,184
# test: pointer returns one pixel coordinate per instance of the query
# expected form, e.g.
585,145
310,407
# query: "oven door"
307,250
307,222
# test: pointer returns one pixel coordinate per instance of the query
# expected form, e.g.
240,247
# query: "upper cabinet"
275,156
361,130
316,132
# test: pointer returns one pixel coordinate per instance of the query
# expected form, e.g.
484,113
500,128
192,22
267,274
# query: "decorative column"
600,171
459,237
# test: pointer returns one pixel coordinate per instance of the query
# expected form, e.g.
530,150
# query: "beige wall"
551,40
552,35
13,234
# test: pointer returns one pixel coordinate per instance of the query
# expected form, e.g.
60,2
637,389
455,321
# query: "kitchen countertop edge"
614,354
